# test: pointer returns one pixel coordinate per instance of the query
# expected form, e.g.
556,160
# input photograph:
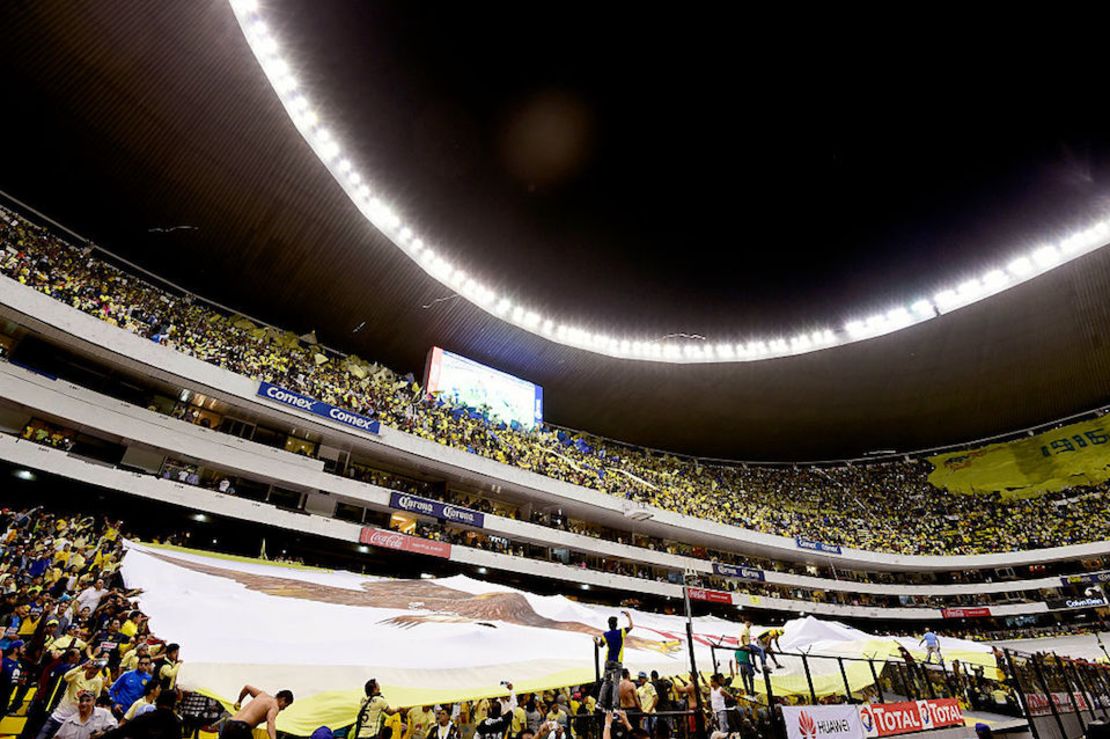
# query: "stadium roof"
151,128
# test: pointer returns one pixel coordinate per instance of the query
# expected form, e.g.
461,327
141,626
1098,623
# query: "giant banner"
323,633
1078,454
318,407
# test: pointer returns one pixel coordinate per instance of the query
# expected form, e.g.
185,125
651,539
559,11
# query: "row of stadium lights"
268,52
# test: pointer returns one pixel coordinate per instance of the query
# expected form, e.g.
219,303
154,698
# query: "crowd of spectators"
79,657
883,506
80,660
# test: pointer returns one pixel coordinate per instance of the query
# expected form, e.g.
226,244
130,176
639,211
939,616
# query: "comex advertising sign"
822,722
318,407
442,511
816,546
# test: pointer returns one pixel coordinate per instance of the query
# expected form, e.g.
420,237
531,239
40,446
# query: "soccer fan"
372,713
130,686
613,643
443,728
161,723
932,646
89,721
768,641
84,678
262,707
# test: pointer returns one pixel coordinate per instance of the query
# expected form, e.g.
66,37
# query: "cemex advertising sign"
822,722
404,543
442,511
976,612
888,719
816,546
1086,601
318,407
711,596
744,573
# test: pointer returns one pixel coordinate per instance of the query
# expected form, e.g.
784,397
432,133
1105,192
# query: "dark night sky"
708,170
689,175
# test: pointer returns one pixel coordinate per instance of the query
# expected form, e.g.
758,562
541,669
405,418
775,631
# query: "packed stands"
885,506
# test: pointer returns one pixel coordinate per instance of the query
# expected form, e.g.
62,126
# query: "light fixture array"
375,207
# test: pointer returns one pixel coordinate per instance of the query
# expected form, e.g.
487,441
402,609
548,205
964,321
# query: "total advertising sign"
976,612
711,596
889,719
822,722
442,511
739,571
318,407
404,543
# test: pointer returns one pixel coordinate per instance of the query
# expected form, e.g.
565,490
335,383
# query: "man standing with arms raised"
613,642
263,707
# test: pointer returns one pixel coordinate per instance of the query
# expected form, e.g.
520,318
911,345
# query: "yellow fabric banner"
1078,454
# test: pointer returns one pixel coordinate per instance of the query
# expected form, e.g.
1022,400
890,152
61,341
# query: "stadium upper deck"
882,507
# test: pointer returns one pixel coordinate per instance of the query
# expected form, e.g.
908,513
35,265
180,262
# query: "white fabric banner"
323,633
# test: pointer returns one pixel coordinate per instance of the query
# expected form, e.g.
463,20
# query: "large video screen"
471,383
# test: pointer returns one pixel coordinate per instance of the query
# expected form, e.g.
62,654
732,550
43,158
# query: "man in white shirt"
90,597
508,702
88,722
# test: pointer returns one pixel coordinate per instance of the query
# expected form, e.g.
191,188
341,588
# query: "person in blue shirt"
11,670
932,644
613,643
131,686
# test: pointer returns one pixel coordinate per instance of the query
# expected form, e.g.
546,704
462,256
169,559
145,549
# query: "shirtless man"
630,699
263,707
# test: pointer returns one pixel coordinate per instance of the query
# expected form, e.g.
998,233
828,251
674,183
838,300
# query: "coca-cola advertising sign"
403,543
975,612
889,719
712,596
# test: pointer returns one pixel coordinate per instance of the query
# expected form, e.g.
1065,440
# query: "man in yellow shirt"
72,638
397,725
420,720
520,720
373,712
169,666
150,695
88,676
130,627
